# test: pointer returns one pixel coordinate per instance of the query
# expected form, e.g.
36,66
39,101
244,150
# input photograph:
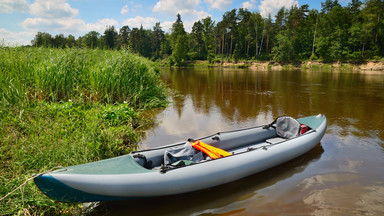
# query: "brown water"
343,175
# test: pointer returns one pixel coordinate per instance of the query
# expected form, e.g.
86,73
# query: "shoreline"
372,65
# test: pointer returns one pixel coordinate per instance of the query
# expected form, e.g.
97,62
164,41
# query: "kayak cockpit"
234,142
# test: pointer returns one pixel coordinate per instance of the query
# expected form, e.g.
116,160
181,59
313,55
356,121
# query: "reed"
92,74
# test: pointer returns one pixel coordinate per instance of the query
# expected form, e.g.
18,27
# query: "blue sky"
20,20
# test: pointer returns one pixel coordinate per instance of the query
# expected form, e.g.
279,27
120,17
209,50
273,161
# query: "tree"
110,37
230,21
258,26
140,39
157,38
283,50
243,33
332,42
165,46
178,43
220,32
328,5
91,39
71,41
42,39
373,25
197,40
208,38
123,37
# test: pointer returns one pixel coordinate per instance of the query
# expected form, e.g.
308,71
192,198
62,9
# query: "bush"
313,57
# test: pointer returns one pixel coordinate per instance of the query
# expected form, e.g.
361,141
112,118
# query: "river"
342,175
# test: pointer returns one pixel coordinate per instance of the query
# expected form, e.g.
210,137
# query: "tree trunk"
222,49
256,42
314,39
230,51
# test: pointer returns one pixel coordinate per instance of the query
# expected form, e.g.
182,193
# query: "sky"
20,20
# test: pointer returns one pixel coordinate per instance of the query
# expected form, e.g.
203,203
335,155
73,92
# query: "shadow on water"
196,202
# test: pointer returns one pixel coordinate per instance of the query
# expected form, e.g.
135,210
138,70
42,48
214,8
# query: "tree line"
353,32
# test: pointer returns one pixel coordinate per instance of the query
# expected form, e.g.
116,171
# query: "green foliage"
284,49
179,51
110,37
313,57
179,41
118,115
92,75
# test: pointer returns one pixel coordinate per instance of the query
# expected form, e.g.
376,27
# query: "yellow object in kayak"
211,151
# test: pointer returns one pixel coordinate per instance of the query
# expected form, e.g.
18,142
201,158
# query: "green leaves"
119,115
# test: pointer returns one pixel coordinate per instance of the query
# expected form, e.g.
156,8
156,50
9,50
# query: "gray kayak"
165,171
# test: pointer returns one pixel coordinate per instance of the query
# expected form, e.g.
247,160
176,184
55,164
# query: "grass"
61,107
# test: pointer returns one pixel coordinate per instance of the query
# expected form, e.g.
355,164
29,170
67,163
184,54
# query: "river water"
342,175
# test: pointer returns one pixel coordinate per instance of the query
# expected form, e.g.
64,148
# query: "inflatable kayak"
186,166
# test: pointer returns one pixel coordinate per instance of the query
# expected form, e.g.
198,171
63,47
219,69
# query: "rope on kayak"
22,186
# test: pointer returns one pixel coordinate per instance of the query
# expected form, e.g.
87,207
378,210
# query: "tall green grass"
91,74
61,107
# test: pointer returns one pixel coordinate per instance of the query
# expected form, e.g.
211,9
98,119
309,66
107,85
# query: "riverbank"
272,65
63,107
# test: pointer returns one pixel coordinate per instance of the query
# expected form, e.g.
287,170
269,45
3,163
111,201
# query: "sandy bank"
368,65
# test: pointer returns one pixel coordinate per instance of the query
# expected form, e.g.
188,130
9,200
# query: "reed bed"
93,74
61,107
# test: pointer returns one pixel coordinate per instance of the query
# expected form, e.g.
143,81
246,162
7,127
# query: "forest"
354,33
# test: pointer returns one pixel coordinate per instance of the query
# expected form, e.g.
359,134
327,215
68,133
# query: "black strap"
270,125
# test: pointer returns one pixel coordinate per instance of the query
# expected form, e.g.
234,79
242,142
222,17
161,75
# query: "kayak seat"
287,127
275,140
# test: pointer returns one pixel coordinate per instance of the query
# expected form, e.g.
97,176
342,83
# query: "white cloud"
147,22
135,7
249,4
58,16
10,6
219,4
100,25
16,38
166,26
190,11
68,25
273,6
124,10
173,7
200,14
53,9
188,25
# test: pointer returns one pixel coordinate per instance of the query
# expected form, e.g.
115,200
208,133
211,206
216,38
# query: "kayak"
182,167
